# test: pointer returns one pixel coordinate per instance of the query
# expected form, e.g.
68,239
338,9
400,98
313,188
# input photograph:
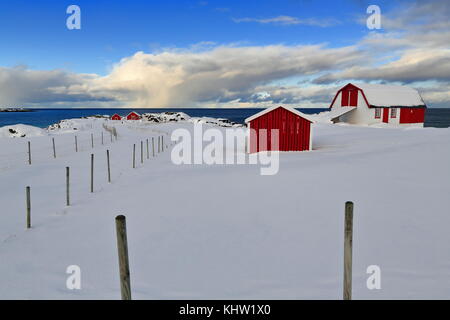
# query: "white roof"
381,95
295,111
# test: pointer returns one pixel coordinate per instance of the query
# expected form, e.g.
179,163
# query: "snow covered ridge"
21,131
88,123
164,117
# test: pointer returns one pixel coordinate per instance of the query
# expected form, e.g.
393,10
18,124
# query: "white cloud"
288,20
212,75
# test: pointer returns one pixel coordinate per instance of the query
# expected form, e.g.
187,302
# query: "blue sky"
35,34
175,36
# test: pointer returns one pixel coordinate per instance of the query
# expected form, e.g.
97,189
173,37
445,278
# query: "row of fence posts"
122,245
160,149
124,266
121,231
76,145
28,189
108,163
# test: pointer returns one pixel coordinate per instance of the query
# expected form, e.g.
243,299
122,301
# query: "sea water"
439,118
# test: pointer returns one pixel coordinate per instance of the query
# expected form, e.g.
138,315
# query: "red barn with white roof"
294,130
368,104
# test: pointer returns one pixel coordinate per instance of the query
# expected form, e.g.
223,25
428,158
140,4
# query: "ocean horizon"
43,117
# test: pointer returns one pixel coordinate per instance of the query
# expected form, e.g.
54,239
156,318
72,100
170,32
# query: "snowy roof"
380,95
295,111
133,112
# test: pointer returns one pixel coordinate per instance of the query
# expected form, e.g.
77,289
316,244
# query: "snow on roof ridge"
267,110
387,95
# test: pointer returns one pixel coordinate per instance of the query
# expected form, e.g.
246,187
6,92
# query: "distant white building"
368,104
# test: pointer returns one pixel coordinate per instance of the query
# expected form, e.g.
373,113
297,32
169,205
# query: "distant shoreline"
16,110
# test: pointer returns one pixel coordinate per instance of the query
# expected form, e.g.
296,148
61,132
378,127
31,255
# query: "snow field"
225,231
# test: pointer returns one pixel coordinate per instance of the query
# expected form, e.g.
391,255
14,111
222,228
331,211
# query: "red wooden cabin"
294,130
116,117
133,116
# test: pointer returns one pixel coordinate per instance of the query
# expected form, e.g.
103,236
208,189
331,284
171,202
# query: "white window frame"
377,113
393,113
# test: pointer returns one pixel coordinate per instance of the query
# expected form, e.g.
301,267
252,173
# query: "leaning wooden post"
142,152
134,156
153,146
148,154
76,144
109,167
122,249
28,208
348,244
92,173
67,186
54,148
29,152
92,140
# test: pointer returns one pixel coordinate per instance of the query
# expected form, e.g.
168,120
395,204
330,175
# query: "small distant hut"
133,116
116,117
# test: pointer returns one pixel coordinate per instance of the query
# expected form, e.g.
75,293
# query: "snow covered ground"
225,231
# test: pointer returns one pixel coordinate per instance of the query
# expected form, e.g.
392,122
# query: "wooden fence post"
162,143
109,167
92,172
76,144
54,148
159,144
348,244
29,152
153,146
148,154
134,156
142,152
67,186
122,248
111,137
28,208
102,138
92,140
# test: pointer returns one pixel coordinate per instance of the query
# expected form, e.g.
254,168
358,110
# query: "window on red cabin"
393,112
377,113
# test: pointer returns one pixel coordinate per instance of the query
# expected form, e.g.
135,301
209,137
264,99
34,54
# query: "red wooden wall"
349,97
294,131
412,115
